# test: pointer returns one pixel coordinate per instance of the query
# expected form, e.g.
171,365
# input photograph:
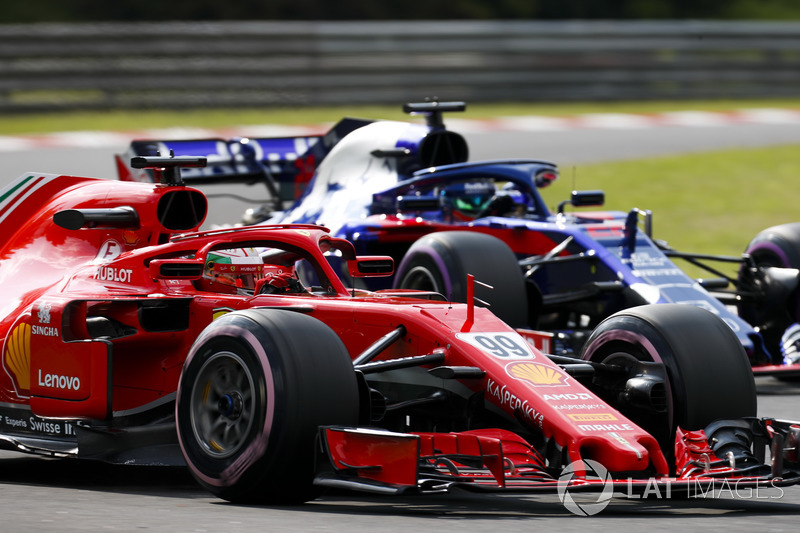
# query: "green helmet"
234,269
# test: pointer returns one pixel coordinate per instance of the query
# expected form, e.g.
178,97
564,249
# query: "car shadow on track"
772,386
93,475
177,483
509,506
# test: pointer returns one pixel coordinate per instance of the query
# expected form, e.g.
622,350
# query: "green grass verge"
218,118
712,202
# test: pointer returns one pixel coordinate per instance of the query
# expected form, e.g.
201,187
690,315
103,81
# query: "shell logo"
131,238
537,374
17,358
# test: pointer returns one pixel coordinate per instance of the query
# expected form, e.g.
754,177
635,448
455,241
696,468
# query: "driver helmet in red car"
233,271
468,199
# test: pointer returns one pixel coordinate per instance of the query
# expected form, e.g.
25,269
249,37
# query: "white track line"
693,119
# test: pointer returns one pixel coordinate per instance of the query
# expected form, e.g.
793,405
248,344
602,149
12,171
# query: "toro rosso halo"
407,191
130,336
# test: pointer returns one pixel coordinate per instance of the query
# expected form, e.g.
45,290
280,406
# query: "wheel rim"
620,358
619,355
420,279
790,344
222,405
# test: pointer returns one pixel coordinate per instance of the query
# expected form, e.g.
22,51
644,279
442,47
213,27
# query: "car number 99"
500,345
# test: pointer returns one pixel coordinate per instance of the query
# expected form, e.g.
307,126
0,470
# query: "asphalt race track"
40,494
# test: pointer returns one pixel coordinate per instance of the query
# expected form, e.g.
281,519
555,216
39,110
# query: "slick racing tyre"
777,246
440,262
255,387
779,309
708,374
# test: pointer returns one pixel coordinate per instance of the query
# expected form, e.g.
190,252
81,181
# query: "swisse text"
55,381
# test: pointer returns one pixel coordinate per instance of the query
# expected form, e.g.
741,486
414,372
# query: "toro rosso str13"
130,336
407,191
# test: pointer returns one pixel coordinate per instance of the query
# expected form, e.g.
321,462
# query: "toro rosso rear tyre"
778,246
440,262
255,387
708,372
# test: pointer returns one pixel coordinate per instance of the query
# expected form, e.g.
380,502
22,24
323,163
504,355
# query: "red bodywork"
99,316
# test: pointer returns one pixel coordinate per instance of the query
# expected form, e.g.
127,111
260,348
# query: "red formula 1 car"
129,336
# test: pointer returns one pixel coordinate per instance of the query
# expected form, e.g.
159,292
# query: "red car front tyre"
708,374
255,387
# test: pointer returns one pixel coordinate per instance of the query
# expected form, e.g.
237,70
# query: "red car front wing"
386,462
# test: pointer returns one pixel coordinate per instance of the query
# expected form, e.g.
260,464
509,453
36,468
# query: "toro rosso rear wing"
284,164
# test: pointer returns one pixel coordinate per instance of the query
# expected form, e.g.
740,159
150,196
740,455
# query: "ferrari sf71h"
129,336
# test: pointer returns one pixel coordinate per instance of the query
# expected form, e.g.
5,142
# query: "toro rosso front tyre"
440,262
255,387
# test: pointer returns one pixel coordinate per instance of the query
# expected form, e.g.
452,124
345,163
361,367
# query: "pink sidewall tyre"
255,387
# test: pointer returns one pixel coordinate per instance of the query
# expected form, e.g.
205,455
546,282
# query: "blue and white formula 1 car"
407,190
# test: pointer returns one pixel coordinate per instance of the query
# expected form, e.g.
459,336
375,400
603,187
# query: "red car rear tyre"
255,387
